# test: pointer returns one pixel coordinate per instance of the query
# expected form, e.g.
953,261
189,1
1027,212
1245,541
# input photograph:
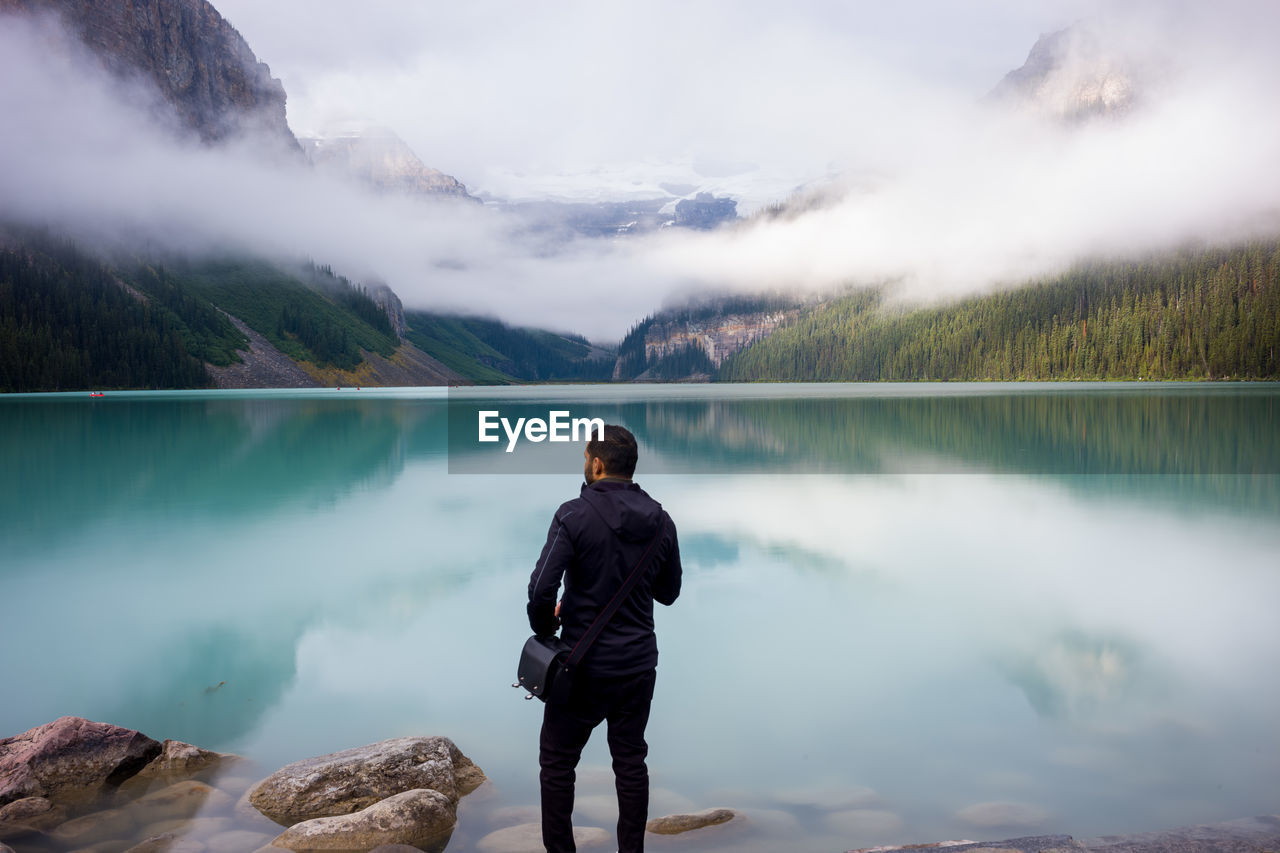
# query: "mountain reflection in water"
903,604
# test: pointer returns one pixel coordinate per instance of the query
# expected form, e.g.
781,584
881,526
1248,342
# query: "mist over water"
927,637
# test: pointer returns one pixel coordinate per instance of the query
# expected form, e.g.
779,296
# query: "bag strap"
603,617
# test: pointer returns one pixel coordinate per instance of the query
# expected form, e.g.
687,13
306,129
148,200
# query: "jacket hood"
625,507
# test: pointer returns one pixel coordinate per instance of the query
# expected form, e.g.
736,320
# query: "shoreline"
1243,835
77,784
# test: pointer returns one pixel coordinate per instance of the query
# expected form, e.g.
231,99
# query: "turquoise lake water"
910,612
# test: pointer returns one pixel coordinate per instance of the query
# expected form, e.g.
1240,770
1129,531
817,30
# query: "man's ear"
597,467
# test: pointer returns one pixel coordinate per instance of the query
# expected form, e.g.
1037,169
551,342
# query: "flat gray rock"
675,824
1029,844
1249,835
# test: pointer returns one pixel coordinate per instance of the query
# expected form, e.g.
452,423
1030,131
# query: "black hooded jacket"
594,542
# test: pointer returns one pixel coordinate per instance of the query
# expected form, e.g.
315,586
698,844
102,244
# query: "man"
594,543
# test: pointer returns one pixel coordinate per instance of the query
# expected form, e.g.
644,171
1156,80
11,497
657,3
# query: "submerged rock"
31,813
178,801
871,824
112,823
512,815
676,823
236,841
169,842
176,762
71,761
235,785
830,798
999,814
422,818
200,827
354,779
527,838
116,846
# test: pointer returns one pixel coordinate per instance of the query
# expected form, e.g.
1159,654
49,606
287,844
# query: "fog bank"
941,192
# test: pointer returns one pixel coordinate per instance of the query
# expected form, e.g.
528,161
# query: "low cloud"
943,194
87,156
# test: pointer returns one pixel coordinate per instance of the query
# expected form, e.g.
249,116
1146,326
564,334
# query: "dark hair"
617,451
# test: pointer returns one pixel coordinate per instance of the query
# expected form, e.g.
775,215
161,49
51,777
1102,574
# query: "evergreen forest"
1194,314
70,320
489,352
67,323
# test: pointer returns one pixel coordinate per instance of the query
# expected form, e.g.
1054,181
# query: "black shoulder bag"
547,663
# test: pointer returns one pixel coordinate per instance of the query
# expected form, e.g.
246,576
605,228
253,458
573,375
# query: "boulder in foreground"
71,761
354,779
421,818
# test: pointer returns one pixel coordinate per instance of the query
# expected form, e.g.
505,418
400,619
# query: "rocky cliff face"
384,161
719,337
717,333
200,64
386,299
705,211
1071,75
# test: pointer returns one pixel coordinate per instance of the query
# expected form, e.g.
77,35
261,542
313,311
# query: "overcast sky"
484,89
931,190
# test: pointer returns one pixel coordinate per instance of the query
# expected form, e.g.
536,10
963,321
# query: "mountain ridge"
380,159
1071,75
203,69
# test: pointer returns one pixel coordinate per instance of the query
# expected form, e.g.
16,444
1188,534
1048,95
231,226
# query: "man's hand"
558,603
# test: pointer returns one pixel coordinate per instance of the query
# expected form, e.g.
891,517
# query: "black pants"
624,702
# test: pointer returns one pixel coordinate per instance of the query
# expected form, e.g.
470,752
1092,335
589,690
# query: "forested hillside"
71,321
1196,314
672,344
309,314
66,323
489,352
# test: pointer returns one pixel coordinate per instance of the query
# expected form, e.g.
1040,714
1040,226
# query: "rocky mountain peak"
199,63
381,159
1072,74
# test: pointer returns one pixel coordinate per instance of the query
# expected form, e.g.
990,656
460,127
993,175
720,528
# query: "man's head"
613,456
